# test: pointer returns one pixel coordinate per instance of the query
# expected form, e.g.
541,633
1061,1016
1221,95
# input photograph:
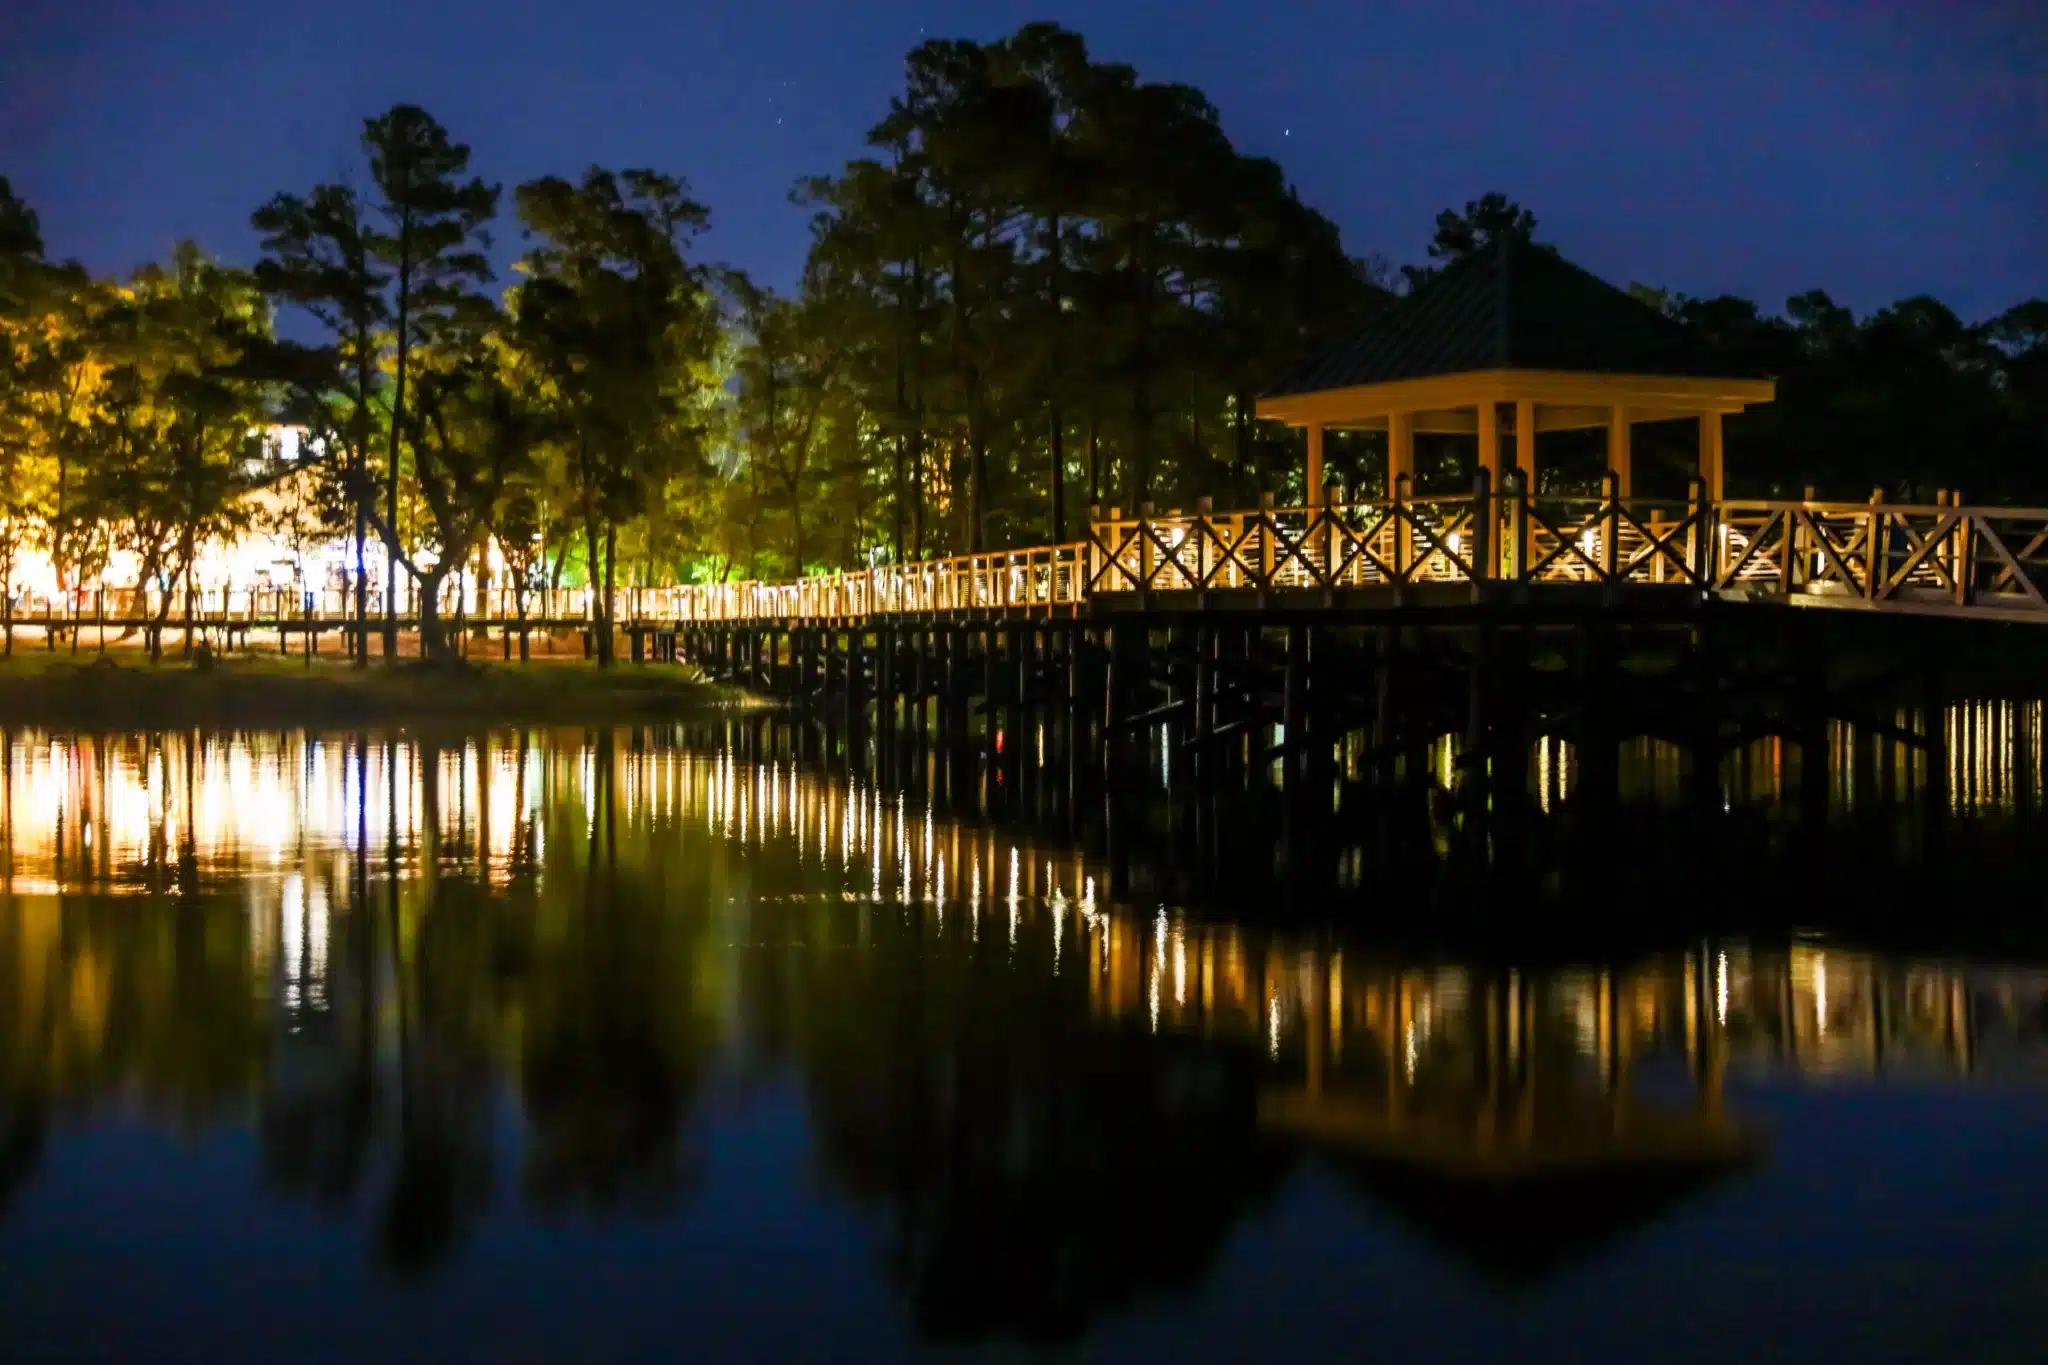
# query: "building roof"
1514,306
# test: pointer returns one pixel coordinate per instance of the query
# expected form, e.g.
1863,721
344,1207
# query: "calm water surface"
656,1045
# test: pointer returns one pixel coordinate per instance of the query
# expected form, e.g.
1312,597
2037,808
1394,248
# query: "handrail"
1943,557
1042,579
1983,561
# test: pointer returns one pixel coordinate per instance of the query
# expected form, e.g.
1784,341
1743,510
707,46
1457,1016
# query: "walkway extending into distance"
1356,557
1488,547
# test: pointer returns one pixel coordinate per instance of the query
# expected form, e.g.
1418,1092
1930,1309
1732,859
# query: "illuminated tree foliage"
613,332
318,259
24,283
170,435
431,238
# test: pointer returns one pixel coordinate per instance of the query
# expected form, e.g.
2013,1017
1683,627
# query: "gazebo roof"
1514,306
1517,1207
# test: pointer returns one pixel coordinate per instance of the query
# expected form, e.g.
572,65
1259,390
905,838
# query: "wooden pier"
1468,595
1275,634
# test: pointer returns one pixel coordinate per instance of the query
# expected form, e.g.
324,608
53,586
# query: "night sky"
1876,150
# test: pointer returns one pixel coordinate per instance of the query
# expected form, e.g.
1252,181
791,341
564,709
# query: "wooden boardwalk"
1283,636
1491,548
299,621
1500,548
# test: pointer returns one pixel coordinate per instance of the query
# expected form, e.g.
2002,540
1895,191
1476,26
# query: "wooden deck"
1486,547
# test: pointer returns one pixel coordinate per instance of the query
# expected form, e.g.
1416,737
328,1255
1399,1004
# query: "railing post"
1876,549
1518,483
1482,529
1266,529
1610,522
1800,536
1091,559
1704,535
1964,550
1404,538
1326,548
1146,567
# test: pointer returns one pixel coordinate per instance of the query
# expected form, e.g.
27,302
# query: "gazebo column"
1710,454
1489,440
1525,443
1400,461
1618,454
1400,449
1315,465
1486,516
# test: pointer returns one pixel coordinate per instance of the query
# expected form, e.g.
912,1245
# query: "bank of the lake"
61,690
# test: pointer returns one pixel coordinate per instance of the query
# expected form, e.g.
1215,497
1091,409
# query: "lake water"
707,1043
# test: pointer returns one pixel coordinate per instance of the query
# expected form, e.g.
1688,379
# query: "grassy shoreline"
63,691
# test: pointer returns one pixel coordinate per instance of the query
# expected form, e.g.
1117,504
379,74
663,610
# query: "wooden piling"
1293,701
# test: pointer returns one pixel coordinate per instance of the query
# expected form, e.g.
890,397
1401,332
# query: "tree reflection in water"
443,977
1040,1165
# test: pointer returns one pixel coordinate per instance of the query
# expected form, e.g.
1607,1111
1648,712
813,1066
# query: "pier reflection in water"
742,1025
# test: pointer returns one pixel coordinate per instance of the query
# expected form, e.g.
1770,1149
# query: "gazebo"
1514,339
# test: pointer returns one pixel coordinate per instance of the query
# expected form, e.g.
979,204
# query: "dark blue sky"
1874,149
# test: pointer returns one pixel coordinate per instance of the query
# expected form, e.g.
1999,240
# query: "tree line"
1050,283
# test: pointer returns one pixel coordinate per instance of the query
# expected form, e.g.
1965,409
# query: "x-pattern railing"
1987,561
1957,559
1400,541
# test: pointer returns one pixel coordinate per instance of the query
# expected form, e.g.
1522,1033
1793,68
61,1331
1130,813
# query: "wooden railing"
331,607
1048,580
1989,562
1483,537
1948,559
1941,559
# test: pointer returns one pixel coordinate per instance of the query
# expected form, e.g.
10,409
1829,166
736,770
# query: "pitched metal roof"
1513,306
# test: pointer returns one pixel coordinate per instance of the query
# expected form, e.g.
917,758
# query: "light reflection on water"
537,974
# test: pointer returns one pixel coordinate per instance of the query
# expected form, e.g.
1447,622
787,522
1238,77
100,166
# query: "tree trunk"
968,372
1141,387
156,628
597,621
520,596
902,440
1141,431
1059,477
977,485
1243,447
185,577
611,563
359,653
359,644
917,475
391,474
1094,459
58,538
1058,423
432,646
917,404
